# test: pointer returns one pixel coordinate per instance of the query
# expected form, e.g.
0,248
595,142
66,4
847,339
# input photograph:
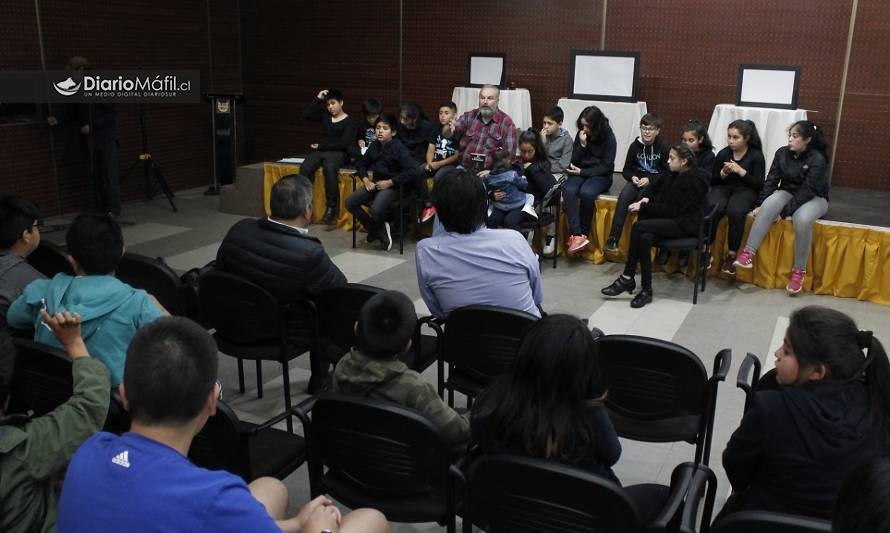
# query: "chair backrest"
381,449
660,391
50,259
482,340
220,445
43,378
515,494
241,311
153,276
768,522
338,310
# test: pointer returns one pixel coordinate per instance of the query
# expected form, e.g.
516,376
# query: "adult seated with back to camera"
19,236
278,254
469,264
372,368
34,451
332,151
143,481
112,311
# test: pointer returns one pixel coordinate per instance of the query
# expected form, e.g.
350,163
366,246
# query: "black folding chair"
372,453
700,247
660,391
750,381
250,324
548,213
247,450
769,522
49,259
338,311
154,276
509,493
479,343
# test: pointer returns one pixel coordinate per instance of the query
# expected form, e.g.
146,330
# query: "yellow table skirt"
846,260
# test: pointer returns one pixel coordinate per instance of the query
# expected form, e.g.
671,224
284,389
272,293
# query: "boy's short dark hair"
651,119
449,104
290,196
7,364
17,214
460,200
389,119
385,325
371,106
334,94
170,370
555,114
95,241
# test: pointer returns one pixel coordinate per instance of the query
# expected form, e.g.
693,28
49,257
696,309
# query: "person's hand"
483,173
66,327
85,129
755,211
433,166
643,182
573,170
322,93
634,207
52,121
314,146
361,143
369,185
319,514
526,164
382,185
635,180
498,195
582,136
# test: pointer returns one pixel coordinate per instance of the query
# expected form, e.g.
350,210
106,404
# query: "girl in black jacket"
797,186
670,208
828,413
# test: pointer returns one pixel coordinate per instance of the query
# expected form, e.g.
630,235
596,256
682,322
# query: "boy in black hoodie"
647,160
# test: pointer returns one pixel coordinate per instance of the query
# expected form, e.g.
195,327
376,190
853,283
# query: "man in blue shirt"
143,480
470,264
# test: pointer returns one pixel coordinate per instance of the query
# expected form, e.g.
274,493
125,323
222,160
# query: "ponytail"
697,128
685,152
748,130
808,130
877,381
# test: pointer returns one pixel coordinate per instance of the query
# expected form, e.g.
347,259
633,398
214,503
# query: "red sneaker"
427,214
745,259
577,243
795,284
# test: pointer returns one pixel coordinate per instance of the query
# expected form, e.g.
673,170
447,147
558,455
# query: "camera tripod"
154,180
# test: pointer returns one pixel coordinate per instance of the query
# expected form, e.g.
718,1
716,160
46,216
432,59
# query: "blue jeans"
588,189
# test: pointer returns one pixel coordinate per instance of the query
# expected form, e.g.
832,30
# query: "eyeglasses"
648,129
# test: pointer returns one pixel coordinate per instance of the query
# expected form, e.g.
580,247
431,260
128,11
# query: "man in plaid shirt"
483,131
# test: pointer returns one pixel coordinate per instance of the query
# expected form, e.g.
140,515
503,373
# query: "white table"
624,117
772,125
515,102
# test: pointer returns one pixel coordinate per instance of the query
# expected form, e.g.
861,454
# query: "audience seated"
469,264
112,311
831,411
19,236
384,330
863,503
278,254
143,481
35,451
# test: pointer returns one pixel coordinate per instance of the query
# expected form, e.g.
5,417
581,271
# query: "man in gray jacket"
19,236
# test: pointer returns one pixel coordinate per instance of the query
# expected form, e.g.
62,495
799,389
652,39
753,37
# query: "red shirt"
478,137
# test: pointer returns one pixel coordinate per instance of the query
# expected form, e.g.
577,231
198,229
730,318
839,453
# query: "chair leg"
285,375
556,230
703,266
401,222
241,376
259,378
698,266
353,216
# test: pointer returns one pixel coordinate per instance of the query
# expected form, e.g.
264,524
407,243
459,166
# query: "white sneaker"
549,245
386,237
529,211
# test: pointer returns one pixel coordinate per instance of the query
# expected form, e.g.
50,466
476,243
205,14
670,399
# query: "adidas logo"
122,459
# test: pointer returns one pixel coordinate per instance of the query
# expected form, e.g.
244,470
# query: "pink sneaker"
427,214
795,284
745,259
577,243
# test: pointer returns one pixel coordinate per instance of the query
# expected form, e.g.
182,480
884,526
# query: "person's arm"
630,162
691,194
771,184
562,150
607,444
315,110
754,171
408,166
457,127
510,137
814,180
365,161
430,156
605,165
717,173
429,297
22,312
744,451
54,437
456,427
324,273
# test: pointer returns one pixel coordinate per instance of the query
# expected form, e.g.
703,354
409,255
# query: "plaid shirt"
480,138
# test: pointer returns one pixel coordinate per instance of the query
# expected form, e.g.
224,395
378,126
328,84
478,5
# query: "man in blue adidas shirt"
143,480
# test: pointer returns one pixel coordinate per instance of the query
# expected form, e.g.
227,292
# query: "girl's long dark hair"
544,403
748,130
700,131
822,336
598,122
533,137
808,130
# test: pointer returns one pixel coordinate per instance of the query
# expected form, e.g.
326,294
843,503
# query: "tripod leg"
163,184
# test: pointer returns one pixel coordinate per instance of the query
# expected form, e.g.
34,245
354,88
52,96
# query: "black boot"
642,298
330,215
620,285
611,245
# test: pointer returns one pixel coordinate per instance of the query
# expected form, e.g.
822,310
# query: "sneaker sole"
388,236
792,292
579,247
740,265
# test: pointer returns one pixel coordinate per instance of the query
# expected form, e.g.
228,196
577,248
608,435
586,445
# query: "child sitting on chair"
507,190
372,368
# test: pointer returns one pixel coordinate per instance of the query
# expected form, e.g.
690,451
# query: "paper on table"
292,160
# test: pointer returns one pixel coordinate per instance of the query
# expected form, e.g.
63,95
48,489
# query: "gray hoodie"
15,275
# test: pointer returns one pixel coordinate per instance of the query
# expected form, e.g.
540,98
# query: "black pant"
629,194
644,234
509,219
330,161
106,182
735,203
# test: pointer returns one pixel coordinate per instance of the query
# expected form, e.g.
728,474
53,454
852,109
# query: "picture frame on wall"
773,86
486,69
602,75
